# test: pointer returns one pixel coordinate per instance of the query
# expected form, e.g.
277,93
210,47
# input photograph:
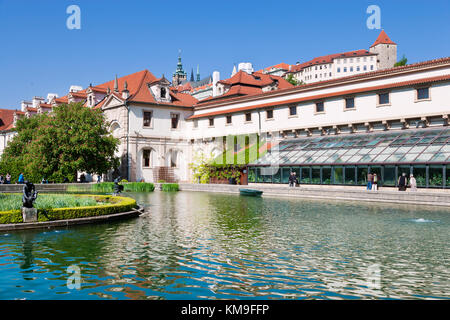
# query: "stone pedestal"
29,214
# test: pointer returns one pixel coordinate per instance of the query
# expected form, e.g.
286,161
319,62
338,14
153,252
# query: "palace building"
331,131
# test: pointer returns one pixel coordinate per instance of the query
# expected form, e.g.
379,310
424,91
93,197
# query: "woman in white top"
412,183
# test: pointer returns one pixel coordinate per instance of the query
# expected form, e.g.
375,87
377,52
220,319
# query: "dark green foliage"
55,146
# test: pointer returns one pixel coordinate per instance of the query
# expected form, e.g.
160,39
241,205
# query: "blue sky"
39,54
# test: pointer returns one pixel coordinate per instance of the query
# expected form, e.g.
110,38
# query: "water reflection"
216,246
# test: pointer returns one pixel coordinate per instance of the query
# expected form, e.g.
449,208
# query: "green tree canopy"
402,62
56,146
290,78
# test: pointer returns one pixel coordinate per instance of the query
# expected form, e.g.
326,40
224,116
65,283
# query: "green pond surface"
192,245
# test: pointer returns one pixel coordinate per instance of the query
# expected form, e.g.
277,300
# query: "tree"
56,146
402,62
290,78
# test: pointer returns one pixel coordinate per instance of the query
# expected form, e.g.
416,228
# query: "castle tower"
386,49
179,75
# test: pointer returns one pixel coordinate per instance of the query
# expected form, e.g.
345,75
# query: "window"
371,67
357,68
338,69
228,119
146,158
175,120
163,92
293,110
351,69
422,94
330,74
248,117
195,123
269,114
319,107
211,122
173,158
147,118
383,98
349,103
345,69
365,68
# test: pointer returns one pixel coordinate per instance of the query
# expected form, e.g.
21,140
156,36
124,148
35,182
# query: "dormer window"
163,92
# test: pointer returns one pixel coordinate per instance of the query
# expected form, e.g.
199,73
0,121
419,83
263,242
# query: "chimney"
75,88
246,67
216,78
51,96
37,101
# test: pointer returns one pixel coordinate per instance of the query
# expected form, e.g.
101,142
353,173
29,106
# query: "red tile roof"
282,65
382,38
329,59
244,84
139,91
328,95
6,119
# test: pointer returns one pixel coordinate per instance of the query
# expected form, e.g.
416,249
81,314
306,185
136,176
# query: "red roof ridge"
383,38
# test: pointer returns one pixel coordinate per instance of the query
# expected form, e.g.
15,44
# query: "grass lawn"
46,201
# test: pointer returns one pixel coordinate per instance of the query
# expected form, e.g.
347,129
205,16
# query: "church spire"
179,75
192,75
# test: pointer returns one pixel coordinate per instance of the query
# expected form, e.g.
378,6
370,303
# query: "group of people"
372,182
403,182
5,179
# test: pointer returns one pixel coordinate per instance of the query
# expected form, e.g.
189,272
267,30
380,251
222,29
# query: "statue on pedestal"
29,214
29,195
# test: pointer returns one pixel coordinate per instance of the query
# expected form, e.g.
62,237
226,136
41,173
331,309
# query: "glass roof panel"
424,157
439,157
408,157
413,145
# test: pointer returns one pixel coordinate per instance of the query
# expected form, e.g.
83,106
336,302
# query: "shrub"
111,205
170,187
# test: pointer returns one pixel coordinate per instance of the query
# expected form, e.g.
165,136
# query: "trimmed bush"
170,187
111,205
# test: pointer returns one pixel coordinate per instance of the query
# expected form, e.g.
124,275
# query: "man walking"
369,181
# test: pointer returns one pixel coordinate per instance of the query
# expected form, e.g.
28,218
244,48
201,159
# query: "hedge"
115,204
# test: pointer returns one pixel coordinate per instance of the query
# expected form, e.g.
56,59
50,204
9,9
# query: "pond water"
215,246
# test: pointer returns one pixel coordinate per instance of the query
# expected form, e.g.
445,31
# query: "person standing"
412,183
369,181
2,179
8,178
402,182
375,182
292,180
21,179
99,178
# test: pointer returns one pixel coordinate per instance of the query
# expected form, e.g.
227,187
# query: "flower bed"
104,205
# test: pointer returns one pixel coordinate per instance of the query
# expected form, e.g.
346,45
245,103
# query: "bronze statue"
29,195
117,187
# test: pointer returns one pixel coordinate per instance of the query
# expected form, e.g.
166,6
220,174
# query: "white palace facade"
396,116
